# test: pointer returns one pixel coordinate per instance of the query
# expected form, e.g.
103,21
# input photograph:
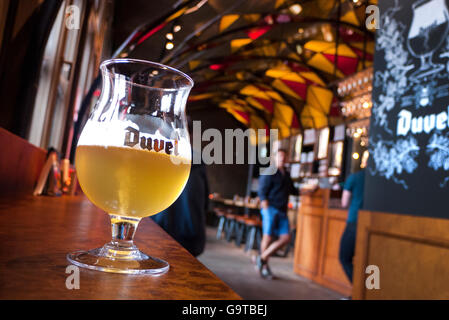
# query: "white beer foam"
112,133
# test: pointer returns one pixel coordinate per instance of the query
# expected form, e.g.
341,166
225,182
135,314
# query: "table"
240,204
36,233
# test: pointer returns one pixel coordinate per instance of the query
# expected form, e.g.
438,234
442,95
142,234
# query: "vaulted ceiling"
269,63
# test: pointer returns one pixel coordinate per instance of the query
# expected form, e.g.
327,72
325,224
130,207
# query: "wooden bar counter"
320,225
36,233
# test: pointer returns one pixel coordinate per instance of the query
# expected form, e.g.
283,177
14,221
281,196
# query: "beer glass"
133,157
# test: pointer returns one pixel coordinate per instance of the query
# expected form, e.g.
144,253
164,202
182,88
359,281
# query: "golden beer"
130,182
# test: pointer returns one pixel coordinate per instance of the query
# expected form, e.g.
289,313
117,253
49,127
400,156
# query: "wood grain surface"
36,233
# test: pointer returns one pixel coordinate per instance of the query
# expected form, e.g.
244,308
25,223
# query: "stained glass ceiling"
270,64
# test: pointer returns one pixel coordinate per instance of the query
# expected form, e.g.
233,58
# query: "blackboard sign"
408,169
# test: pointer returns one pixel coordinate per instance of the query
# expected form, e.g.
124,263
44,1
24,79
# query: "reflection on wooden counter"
320,225
37,233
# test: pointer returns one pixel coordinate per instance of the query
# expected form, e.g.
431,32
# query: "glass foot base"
419,74
119,260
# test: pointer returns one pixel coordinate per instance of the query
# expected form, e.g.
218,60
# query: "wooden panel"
315,199
319,230
411,252
24,11
332,271
307,245
311,211
3,16
20,163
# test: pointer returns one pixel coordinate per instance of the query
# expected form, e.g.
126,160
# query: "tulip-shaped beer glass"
428,30
133,157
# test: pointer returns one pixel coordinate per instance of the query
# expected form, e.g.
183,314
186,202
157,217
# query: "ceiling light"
295,9
300,30
169,45
177,28
355,156
169,36
327,32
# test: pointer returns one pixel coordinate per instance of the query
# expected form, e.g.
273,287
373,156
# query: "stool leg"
226,228
258,238
250,240
230,231
245,234
240,228
221,224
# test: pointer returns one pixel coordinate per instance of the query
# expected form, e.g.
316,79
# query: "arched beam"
172,59
255,58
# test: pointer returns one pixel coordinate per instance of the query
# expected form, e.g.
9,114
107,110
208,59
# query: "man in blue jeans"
273,192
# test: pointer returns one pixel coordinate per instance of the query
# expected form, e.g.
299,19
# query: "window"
40,111
55,80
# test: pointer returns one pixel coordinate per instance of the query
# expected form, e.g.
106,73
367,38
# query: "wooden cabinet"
318,232
411,252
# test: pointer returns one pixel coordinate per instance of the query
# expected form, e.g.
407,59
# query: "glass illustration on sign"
430,25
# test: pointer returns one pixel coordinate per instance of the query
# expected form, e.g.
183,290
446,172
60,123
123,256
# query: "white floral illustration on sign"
394,158
438,149
393,80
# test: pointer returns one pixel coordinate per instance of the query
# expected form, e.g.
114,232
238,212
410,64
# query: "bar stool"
221,215
230,225
240,228
254,234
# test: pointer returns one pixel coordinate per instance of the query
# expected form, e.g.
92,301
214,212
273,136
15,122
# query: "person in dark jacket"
273,192
185,219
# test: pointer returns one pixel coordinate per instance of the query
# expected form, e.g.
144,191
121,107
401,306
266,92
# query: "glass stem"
121,246
426,62
123,230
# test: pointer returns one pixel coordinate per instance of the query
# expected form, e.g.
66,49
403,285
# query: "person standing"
185,219
353,197
273,192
